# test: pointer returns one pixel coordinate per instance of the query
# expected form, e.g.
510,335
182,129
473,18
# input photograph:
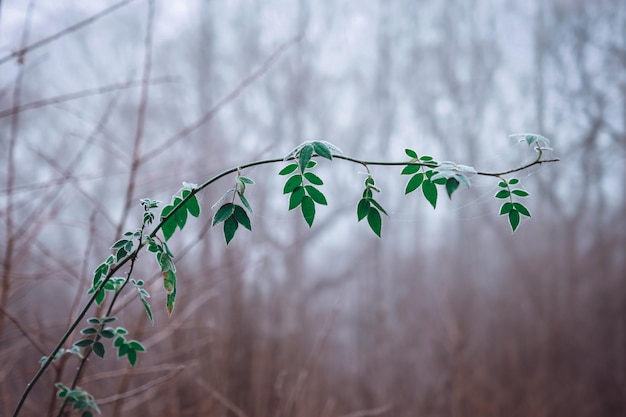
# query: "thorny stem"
133,255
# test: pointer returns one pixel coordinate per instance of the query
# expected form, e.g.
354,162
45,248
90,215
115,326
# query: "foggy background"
449,314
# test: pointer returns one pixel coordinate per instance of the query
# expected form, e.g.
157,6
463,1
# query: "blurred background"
449,314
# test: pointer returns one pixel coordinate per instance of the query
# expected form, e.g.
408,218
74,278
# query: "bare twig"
220,398
81,94
245,83
19,54
145,387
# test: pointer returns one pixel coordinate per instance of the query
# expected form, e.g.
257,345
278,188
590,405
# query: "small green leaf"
410,169
414,183
378,206
288,169
169,227
426,158
514,219
513,181
506,208
89,330
100,297
107,334
132,357
313,179
223,213
98,349
230,227
308,210
311,164
291,184
410,153
246,180
520,193
296,197
530,139
119,244
502,184
374,220
367,193
503,194
362,208
119,341
451,186
245,202
242,217
146,306
84,343
304,156
135,345
316,195
181,217
522,209
429,190
322,150
170,300
193,207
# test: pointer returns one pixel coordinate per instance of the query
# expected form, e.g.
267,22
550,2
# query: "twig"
81,94
245,83
19,54
142,388
221,398
371,412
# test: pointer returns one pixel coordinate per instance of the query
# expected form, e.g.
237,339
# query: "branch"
19,54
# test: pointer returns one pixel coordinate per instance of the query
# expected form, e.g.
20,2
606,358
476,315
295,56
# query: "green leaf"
363,208
169,281
245,202
429,190
119,244
242,217
146,306
169,227
181,217
296,197
374,220
414,183
193,207
367,193
522,209
513,181
502,184
223,213
520,193
410,169
98,349
170,300
313,179
451,186
93,320
87,414
316,195
132,357
514,219
230,227
246,180
100,297
135,345
84,343
88,330
291,184
311,164
506,208
107,334
503,194
308,210
118,342
305,154
426,158
288,169
530,139
378,206
410,153
322,150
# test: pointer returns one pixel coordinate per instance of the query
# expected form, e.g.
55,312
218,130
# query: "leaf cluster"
370,208
80,399
232,214
512,209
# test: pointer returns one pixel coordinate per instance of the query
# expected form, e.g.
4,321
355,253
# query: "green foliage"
174,215
512,209
165,260
80,399
370,208
128,348
232,214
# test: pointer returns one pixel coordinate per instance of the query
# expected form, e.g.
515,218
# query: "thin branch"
371,412
19,54
81,94
245,83
142,388
221,398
